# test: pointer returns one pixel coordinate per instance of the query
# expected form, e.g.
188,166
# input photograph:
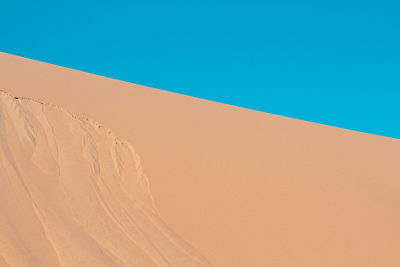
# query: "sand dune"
73,194
244,188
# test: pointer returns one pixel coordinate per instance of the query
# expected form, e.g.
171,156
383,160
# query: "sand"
244,188
74,194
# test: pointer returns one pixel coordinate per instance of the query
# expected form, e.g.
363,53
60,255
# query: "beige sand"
73,194
244,188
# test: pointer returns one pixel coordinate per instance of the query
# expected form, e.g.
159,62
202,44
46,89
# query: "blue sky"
332,62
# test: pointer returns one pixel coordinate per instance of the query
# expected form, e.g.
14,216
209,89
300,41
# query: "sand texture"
73,194
244,188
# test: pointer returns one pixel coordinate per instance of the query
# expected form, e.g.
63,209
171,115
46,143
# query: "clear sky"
333,62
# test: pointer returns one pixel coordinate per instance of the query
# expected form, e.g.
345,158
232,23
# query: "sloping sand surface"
245,188
73,194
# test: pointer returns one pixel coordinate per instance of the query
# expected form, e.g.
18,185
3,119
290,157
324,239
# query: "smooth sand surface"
244,188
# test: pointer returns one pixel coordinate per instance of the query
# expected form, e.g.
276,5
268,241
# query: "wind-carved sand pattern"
74,194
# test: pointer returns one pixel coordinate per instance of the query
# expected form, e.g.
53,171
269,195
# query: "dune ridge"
244,188
74,194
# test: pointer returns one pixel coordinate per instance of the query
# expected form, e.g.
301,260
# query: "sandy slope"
73,194
245,188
